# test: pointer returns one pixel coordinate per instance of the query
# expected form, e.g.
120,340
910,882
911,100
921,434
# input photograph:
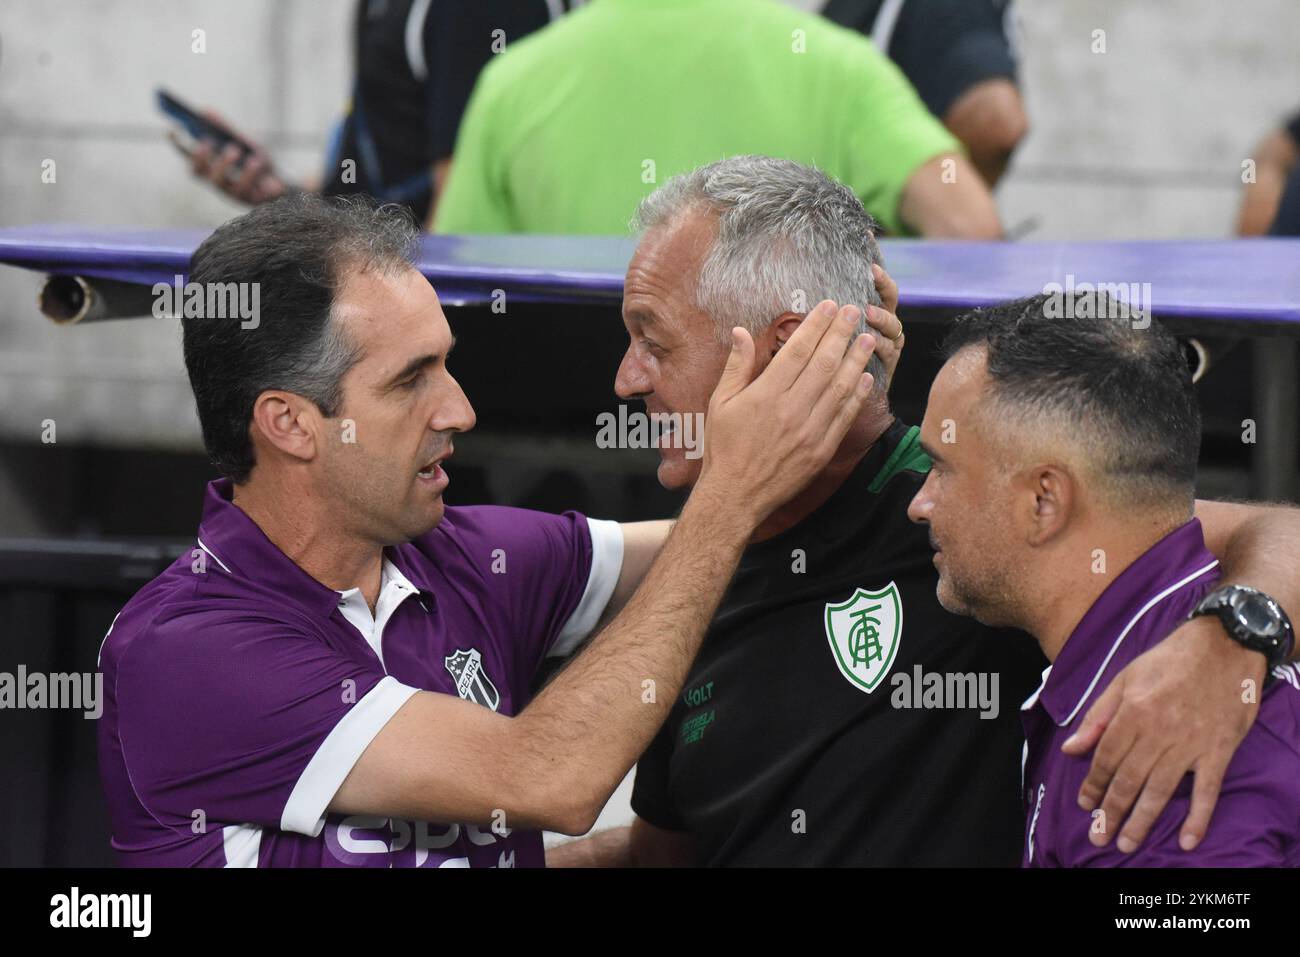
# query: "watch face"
1256,613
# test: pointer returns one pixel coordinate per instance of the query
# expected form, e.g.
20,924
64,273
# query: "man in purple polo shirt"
1060,501
338,674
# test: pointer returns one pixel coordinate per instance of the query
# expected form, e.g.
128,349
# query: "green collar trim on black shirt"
908,456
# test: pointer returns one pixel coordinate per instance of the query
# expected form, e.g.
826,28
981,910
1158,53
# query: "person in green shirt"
570,128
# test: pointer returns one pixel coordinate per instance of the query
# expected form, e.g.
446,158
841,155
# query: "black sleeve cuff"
974,58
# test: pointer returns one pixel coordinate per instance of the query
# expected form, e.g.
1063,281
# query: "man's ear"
780,331
286,422
1052,495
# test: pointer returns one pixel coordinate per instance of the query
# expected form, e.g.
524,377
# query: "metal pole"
1276,400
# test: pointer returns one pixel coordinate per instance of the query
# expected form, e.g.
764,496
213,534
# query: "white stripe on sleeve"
606,565
304,812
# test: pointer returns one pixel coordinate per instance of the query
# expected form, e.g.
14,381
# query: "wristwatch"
1252,619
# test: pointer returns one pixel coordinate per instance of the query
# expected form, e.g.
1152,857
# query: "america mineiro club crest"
864,633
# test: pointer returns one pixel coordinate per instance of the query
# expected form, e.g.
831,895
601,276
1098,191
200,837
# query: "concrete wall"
1146,140
77,82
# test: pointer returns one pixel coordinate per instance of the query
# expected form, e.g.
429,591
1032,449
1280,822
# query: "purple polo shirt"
240,691
1256,822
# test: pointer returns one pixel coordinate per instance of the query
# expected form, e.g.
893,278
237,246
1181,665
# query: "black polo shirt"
1286,222
416,65
833,715
943,46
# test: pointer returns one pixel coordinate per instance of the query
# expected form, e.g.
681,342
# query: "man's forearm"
1274,158
1257,545
946,198
989,119
611,848
642,543
597,717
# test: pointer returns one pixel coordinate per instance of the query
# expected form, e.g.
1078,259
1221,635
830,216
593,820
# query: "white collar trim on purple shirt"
394,588
1124,634
214,556
1033,698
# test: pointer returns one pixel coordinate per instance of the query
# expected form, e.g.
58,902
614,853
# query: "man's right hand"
767,437
247,177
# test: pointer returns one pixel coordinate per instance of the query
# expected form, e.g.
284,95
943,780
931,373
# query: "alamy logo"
947,690
37,690
472,682
1103,300
75,909
213,300
651,430
864,634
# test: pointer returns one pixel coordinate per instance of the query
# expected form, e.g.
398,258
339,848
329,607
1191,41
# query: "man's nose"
631,380
456,414
919,509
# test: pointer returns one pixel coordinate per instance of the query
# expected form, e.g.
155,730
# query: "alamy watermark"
1104,300
946,690
74,909
651,430
213,300
36,690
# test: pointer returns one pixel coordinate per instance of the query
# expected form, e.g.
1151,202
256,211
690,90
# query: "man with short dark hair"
1067,448
339,673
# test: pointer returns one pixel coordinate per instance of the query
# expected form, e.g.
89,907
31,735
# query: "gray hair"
789,236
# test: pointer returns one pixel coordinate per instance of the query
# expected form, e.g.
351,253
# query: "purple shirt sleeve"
1249,829
221,713
551,574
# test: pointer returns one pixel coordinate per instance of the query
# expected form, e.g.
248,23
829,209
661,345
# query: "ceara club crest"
472,682
864,634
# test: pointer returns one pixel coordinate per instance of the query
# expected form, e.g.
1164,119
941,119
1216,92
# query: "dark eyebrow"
416,364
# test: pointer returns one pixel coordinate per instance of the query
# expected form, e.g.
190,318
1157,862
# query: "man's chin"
423,521
435,515
959,603
951,601
678,472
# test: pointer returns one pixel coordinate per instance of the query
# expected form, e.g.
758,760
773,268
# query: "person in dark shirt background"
416,63
959,56
1271,204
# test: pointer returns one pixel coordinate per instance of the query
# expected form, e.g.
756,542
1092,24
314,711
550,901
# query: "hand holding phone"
238,167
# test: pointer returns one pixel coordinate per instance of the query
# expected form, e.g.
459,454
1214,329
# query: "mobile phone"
199,126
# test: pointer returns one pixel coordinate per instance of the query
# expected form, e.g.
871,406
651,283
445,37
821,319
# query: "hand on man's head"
766,437
885,324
